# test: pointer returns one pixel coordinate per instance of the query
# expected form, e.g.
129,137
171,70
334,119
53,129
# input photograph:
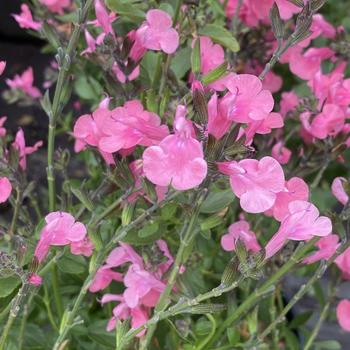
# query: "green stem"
18,202
56,293
23,322
6,331
96,264
57,102
210,335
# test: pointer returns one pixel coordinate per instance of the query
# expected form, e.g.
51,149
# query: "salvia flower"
255,182
343,262
56,6
5,189
103,18
327,246
240,230
2,66
338,190
302,223
343,314
25,19
281,153
178,159
156,33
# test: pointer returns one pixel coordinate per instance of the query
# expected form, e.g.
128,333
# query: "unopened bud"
202,309
127,213
230,272
276,22
200,102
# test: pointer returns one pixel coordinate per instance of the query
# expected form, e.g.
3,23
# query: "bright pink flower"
328,123
5,189
178,159
2,66
56,6
24,82
255,182
103,17
120,75
295,189
306,65
338,190
281,153
60,229
327,246
103,278
289,102
84,247
35,280
2,129
343,262
301,224
251,102
20,145
287,9
240,230
137,50
25,19
92,43
123,254
129,126
157,32
343,314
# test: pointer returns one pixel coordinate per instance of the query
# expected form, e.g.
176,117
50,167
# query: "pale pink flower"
123,254
2,129
56,6
137,50
2,66
327,246
5,189
60,229
24,82
255,182
120,75
25,19
156,33
281,153
301,224
338,190
103,17
92,42
23,150
289,102
84,247
295,189
240,230
35,280
178,159
343,314
131,125
327,123
251,102
343,262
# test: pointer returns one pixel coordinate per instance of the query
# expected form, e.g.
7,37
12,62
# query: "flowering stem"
253,298
57,101
6,331
97,263
17,205
55,288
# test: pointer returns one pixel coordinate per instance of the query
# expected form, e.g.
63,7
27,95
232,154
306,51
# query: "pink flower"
338,190
56,6
178,159
343,262
157,32
295,189
343,314
306,65
84,247
302,223
255,182
103,17
280,153
103,278
251,102
92,43
60,229
25,19
24,82
327,246
129,126
2,129
2,66
123,77
328,123
20,145
5,189
240,230
35,280
289,102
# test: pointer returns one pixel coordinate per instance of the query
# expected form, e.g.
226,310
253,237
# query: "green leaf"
300,319
87,88
181,62
149,230
73,264
8,285
217,201
328,345
215,74
97,332
221,36
127,9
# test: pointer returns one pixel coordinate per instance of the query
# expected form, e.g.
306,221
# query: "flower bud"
199,102
277,23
